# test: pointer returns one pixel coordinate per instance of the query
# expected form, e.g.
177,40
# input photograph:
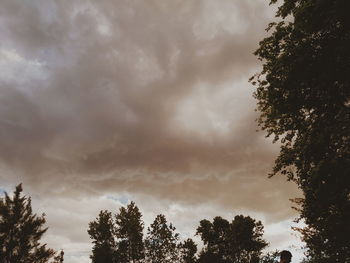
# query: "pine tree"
161,242
102,232
129,231
21,231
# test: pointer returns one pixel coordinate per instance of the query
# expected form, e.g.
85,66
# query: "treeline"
120,238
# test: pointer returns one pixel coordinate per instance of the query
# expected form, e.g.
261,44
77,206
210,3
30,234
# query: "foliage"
224,242
102,232
270,257
129,231
59,258
188,250
303,95
210,257
161,242
21,231
237,242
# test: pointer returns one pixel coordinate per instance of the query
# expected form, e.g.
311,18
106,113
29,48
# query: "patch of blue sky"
2,191
123,199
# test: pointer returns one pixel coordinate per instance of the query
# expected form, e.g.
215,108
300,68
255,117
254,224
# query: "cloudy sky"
103,102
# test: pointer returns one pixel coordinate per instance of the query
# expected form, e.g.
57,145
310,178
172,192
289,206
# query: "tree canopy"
237,242
303,95
121,240
188,250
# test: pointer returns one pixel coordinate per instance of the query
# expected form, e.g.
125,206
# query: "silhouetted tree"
102,232
161,242
21,231
303,95
188,250
237,242
214,237
129,231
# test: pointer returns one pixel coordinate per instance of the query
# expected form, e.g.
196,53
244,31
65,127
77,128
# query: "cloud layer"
146,98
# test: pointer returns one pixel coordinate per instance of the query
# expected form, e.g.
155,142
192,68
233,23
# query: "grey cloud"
103,117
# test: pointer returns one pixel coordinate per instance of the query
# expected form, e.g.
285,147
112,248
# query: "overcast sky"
107,101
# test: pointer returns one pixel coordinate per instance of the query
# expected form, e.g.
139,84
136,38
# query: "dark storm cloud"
102,108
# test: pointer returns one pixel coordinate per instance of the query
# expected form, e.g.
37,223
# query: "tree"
237,242
102,232
129,231
188,250
214,236
21,231
161,242
303,95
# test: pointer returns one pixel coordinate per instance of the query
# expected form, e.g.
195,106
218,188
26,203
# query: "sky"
104,102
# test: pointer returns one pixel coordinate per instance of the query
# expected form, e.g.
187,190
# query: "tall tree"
102,232
237,242
162,242
303,95
129,231
21,231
